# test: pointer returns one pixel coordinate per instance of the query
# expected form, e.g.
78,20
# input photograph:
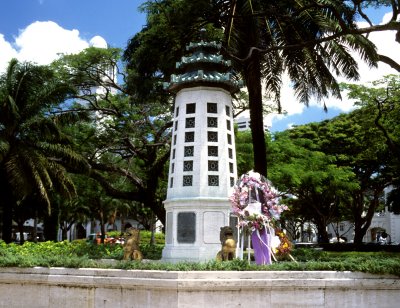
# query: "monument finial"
203,34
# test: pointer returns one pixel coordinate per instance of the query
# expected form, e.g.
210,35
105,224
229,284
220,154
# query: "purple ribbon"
261,246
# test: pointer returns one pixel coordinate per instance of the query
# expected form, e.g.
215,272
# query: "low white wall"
77,288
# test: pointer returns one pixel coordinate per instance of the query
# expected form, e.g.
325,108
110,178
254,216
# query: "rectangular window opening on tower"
191,108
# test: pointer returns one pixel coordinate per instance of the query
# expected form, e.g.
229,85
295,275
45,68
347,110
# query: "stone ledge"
40,287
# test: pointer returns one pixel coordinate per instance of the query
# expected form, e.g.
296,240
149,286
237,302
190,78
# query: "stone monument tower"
202,167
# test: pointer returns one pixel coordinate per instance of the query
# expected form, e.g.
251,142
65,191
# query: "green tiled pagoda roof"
201,44
203,67
202,57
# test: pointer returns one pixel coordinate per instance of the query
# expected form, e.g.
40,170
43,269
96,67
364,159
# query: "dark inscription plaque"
170,224
186,227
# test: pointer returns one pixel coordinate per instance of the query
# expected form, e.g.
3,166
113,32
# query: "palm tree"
304,39
34,153
309,40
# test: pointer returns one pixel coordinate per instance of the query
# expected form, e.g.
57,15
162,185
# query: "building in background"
243,122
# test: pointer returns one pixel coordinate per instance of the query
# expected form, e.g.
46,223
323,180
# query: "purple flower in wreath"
250,188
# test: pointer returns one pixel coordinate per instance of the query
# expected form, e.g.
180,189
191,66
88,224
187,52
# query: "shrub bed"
360,247
79,254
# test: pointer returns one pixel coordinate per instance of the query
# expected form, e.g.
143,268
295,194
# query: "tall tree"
310,41
319,187
126,141
381,101
354,142
34,153
269,39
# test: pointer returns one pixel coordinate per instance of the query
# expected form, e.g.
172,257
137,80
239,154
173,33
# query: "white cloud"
98,41
41,42
290,125
7,53
387,46
289,102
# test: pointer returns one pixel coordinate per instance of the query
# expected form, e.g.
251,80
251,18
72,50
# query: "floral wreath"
255,202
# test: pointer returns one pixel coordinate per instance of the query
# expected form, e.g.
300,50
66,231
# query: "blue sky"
116,21
37,30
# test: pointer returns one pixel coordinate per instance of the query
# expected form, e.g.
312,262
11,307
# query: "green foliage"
244,152
305,255
114,234
376,263
126,142
94,251
151,252
145,237
79,254
338,169
33,139
300,168
48,254
381,120
34,151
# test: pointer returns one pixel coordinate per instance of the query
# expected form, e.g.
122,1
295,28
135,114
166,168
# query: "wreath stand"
240,243
256,217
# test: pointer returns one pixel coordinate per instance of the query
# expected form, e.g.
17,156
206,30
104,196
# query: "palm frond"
40,188
33,149
61,180
68,118
64,155
4,148
16,172
272,72
13,108
282,25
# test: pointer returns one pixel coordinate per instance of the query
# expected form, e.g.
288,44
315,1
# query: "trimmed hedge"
145,236
78,254
360,247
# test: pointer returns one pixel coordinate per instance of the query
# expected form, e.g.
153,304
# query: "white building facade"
382,222
243,122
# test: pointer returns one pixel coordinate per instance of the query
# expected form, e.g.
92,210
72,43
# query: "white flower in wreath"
254,175
275,242
253,208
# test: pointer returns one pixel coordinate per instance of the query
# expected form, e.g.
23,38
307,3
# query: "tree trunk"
159,212
153,229
6,204
51,223
122,217
102,229
34,235
20,223
322,232
362,223
64,232
253,83
151,200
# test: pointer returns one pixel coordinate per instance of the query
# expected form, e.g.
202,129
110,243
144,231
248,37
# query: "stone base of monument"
61,287
193,228
177,254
